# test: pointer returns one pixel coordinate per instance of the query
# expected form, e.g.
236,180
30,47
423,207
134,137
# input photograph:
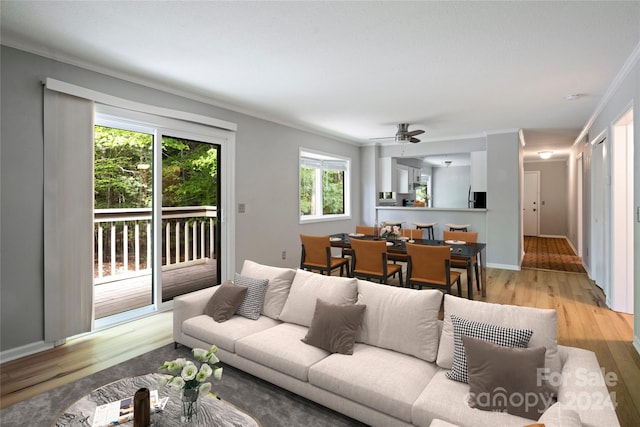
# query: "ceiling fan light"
545,154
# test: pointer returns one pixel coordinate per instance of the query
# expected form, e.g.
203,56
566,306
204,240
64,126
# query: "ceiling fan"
404,134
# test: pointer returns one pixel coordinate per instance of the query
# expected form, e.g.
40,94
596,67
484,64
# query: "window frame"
322,156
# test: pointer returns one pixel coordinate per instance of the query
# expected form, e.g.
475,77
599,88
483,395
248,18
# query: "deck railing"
123,239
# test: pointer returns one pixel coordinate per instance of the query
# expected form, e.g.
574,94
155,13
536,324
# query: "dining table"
397,251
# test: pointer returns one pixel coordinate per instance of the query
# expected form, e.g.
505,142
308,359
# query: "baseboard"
553,236
504,266
25,350
636,343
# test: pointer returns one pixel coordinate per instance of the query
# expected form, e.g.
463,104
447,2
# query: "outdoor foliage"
123,170
332,191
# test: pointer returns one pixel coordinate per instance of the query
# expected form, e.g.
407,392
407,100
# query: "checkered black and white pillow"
506,337
251,306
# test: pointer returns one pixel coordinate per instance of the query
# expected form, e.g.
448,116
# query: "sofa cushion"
333,327
279,284
281,348
225,335
448,401
225,301
381,379
507,337
543,323
559,415
307,287
251,305
400,319
506,379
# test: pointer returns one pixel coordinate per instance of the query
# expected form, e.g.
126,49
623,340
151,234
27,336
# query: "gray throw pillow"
225,301
500,335
251,306
334,327
507,379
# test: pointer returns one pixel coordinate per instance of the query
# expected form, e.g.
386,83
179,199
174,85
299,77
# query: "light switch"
241,207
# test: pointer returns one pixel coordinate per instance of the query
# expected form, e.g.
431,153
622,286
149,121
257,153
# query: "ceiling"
353,70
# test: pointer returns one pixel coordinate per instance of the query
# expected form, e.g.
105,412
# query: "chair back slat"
364,229
412,233
315,248
465,236
368,254
429,262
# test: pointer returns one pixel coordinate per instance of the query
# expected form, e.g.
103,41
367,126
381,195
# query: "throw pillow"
506,337
225,301
307,287
506,379
251,306
543,323
279,284
334,327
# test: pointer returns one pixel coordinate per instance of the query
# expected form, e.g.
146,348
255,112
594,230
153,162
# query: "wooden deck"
128,294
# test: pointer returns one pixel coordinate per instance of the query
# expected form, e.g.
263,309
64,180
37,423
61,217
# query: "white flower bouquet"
185,375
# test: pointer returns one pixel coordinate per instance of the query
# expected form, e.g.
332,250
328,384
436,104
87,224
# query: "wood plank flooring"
583,321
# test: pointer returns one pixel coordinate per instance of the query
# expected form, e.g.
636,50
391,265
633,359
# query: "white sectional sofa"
397,372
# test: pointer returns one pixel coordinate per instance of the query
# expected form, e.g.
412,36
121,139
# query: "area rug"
271,405
549,253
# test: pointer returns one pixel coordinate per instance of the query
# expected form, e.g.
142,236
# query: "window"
324,187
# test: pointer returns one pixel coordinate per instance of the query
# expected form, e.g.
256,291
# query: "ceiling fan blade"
415,132
414,140
384,137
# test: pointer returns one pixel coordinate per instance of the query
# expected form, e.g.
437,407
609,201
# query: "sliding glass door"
157,232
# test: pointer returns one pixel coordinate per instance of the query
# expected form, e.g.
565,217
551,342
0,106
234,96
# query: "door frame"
537,174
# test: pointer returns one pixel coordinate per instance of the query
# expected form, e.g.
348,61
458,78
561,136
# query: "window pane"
332,192
307,191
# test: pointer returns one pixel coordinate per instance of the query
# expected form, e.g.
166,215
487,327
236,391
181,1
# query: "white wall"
266,176
451,187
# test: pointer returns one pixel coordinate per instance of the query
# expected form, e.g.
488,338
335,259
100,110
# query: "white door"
531,203
599,205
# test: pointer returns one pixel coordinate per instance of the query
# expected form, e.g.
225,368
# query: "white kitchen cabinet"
403,178
387,175
478,171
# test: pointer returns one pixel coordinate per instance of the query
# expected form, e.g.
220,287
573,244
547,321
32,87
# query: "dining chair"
412,233
431,266
369,261
316,255
465,236
365,229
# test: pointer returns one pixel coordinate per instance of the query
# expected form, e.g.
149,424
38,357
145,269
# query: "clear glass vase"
189,405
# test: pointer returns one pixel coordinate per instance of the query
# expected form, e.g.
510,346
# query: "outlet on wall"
284,254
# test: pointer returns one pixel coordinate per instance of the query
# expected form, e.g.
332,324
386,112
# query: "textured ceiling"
354,70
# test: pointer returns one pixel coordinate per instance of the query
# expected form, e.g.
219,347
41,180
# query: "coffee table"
212,411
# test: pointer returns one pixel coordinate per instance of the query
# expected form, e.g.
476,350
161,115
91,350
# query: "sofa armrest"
583,387
189,305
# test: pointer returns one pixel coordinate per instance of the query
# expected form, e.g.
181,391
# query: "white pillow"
279,284
543,323
307,287
400,319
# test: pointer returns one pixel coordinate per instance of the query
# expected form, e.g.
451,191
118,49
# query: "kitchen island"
477,218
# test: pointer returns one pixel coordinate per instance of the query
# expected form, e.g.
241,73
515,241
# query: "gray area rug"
271,405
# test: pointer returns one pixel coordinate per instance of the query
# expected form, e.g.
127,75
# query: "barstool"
458,227
428,227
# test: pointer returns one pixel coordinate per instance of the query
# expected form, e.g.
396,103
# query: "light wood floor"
583,321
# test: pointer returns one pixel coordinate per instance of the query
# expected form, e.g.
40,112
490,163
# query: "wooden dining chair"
431,266
316,256
369,261
465,236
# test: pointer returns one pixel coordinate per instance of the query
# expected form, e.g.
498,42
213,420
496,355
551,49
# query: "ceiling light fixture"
545,154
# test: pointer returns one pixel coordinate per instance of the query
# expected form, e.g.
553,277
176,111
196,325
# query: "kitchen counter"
409,215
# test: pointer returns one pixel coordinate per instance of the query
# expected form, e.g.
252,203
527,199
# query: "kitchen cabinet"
478,171
387,175
403,177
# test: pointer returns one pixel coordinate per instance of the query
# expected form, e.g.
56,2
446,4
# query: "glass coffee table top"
212,411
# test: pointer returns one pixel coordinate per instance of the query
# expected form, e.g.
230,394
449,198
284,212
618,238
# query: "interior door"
531,203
